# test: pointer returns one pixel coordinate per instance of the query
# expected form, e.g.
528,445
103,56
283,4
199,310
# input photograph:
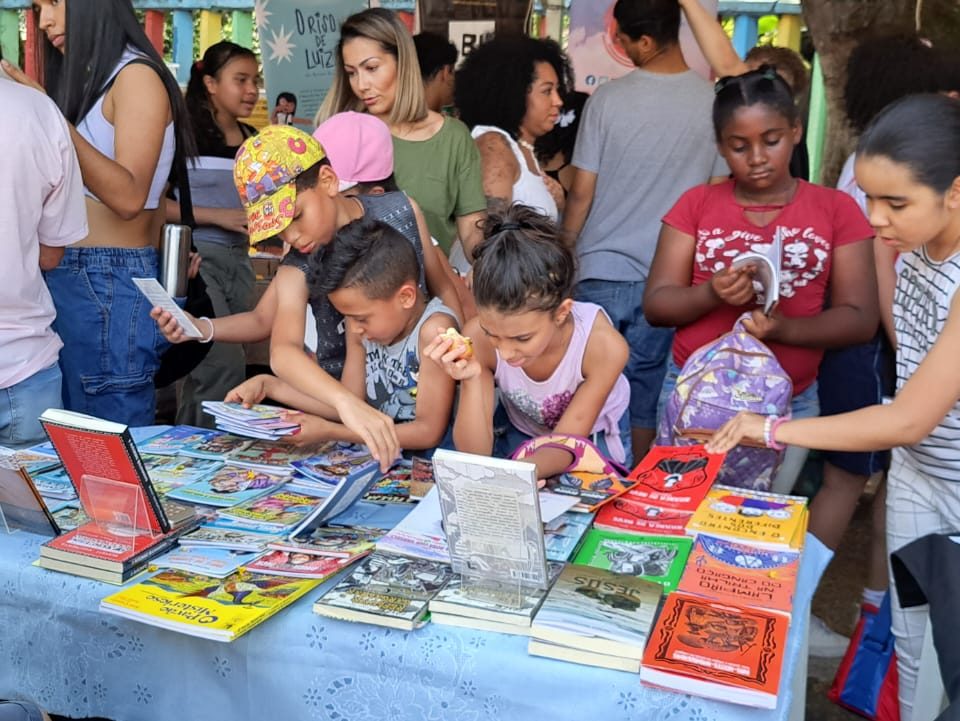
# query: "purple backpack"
734,373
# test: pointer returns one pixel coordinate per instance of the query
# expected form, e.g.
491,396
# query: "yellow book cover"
769,520
221,609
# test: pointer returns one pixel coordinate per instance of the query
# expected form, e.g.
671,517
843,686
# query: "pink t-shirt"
814,222
41,201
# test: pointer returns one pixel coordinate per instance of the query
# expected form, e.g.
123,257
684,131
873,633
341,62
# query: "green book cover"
655,558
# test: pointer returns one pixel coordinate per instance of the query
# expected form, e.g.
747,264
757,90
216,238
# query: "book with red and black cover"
721,651
110,548
105,467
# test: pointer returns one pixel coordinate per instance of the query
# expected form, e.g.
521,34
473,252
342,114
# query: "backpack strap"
586,456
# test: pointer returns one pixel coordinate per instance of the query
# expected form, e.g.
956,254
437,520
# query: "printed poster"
597,56
469,23
298,41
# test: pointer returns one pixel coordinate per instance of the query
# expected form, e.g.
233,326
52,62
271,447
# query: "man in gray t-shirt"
644,139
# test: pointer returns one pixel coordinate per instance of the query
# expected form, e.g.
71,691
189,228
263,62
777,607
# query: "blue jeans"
649,346
22,404
111,346
803,405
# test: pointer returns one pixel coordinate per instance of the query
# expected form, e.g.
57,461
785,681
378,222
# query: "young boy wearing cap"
370,273
290,189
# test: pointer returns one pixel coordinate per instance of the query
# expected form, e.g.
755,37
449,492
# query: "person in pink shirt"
43,211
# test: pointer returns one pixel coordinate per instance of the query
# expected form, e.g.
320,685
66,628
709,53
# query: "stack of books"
386,590
129,523
723,634
595,617
669,484
257,421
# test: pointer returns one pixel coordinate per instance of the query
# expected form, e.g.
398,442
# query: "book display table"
59,650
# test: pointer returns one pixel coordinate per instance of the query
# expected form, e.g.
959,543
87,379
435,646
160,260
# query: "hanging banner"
597,56
298,40
468,23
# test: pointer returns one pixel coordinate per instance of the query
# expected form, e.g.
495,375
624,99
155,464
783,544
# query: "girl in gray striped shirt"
908,165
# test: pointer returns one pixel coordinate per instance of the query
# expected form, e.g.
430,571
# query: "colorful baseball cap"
359,146
264,172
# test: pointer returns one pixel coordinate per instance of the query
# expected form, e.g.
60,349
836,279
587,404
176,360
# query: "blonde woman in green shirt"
435,159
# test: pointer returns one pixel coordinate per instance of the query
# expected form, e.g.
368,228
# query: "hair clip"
199,65
504,227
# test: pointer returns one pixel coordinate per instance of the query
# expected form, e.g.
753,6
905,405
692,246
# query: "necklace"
525,144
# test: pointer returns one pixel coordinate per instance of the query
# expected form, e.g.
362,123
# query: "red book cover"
630,516
94,545
675,478
105,468
716,650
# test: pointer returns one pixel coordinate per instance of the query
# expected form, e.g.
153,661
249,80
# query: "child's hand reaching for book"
734,286
313,429
454,356
251,391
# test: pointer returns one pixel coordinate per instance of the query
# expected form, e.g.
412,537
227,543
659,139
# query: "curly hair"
493,81
887,68
521,265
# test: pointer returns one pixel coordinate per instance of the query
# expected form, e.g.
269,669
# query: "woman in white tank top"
510,91
125,111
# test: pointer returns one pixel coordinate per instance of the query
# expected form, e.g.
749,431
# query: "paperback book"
106,470
206,560
719,651
333,542
489,606
21,505
628,515
564,534
270,456
597,611
173,440
386,590
218,447
393,487
229,486
220,609
257,421
675,478
592,490
655,558
299,564
70,516
347,491
97,546
491,515
55,483
333,462
741,574
767,520
175,471
278,512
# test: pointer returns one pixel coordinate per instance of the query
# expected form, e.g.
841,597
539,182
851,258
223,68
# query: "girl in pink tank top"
557,363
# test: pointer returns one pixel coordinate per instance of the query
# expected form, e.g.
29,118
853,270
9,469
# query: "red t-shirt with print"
813,223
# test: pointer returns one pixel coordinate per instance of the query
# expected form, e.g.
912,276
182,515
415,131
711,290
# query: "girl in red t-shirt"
824,248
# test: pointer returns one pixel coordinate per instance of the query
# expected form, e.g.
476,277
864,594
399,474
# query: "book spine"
153,499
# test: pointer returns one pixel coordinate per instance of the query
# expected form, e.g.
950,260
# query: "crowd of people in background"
582,245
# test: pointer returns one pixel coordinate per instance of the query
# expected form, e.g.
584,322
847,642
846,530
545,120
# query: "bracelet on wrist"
212,329
770,425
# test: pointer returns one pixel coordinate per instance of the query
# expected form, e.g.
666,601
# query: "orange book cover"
723,645
675,478
738,573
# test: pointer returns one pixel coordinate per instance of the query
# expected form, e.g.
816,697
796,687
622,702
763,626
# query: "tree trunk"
836,26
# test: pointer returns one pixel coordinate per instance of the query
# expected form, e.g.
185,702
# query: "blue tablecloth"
56,648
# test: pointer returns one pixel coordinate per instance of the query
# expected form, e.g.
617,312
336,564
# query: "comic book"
278,512
173,440
334,542
300,565
333,463
221,533
738,573
655,558
220,609
206,560
592,490
229,486
767,520
169,472
21,505
563,535
218,447
386,590
725,652
393,487
270,456
55,483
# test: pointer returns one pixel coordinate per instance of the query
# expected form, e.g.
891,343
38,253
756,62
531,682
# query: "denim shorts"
111,346
649,346
854,378
21,405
